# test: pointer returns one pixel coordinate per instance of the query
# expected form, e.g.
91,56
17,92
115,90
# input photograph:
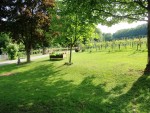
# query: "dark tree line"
107,37
140,30
131,33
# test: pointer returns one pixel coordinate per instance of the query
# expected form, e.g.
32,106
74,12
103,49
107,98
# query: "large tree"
113,11
24,19
136,10
71,27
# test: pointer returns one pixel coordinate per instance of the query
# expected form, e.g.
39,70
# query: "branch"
140,3
75,40
129,16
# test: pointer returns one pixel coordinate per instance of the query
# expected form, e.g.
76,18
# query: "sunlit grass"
97,82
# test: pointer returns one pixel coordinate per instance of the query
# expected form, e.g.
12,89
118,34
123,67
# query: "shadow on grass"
8,68
136,100
43,90
11,67
137,52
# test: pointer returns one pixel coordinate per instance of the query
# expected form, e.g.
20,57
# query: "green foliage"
4,41
137,44
107,37
99,33
139,31
12,50
70,26
28,23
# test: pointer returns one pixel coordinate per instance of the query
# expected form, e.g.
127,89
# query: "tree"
12,50
4,41
98,32
107,36
71,27
113,11
27,17
72,32
135,10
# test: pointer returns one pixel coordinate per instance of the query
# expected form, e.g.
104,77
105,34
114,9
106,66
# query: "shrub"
77,49
12,50
56,56
83,50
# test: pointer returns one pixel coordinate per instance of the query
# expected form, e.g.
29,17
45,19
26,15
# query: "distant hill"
138,31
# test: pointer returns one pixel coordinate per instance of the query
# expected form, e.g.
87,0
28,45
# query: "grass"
97,82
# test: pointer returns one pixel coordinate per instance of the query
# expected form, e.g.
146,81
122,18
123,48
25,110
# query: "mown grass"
97,82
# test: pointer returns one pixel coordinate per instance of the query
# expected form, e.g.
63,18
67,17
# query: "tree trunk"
28,56
147,69
137,47
44,51
28,52
119,46
70,56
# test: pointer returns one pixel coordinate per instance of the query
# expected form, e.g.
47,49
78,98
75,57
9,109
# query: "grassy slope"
96,83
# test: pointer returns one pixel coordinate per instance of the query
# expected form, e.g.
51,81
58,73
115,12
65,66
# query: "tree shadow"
8,68
42,89
11,67
136,100
25,89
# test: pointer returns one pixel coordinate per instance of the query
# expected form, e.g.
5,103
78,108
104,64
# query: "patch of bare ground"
8,74
131,71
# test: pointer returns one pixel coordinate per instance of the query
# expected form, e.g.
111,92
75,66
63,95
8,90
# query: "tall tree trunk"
28,52
44,50
73,41
147,69
70,56
28,56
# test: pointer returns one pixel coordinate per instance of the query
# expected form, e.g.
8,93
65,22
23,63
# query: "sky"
119,26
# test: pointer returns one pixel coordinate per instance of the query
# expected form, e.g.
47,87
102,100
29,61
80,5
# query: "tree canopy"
113,11
4,40
29,18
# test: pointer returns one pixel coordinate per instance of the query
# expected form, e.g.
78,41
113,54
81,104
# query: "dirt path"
22,60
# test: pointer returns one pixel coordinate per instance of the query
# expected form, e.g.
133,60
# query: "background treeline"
131,33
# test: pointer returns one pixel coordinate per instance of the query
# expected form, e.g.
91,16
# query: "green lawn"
98,82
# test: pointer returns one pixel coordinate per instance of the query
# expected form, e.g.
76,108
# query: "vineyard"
138,44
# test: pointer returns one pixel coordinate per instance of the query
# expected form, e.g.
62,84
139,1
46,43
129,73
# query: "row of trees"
138,31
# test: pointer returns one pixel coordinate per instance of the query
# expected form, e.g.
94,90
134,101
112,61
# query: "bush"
77,49
12,50
83,49
56,56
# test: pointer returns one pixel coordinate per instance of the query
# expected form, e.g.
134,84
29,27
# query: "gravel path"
22,60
